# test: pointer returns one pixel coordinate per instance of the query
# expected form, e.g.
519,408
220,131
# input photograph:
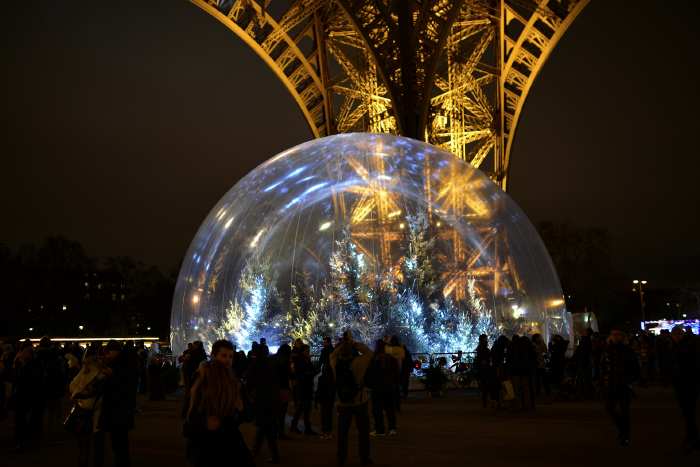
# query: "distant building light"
65,307
195,299
98,339
81,327
685,315
31,329
148,328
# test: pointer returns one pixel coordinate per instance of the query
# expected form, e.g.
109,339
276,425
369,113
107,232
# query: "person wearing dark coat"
350,362
685,375
583,356
192,359
484,371
118,404
522,361
263,389
240,364
325,392
499,362
619,369
54,382
557,353
304,390
6,358
541,376
142,365
282,365
382,378
155,381
27,396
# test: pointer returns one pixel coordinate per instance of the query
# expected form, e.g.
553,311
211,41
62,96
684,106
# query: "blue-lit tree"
355,297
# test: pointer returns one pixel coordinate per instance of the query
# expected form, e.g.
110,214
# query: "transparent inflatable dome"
378,234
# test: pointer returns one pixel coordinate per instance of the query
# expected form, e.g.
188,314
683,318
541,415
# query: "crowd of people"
513,372
91,392
347,382
259,387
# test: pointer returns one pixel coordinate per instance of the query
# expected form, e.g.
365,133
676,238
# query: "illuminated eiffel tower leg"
455,73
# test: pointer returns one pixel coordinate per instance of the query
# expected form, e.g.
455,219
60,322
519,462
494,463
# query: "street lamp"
640,287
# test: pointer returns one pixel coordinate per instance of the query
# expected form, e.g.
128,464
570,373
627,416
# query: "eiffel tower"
454,73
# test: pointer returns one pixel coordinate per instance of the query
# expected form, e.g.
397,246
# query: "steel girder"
455,73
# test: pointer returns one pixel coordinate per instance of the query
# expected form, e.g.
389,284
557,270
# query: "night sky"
124,122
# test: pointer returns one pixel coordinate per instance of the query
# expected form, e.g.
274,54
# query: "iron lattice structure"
454,73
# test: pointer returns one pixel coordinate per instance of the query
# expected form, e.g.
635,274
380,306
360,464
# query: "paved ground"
453,431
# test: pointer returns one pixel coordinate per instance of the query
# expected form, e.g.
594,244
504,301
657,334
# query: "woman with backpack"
350,361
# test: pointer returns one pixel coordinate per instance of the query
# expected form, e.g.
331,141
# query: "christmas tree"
407,301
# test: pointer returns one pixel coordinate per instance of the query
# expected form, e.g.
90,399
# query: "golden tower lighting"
454,73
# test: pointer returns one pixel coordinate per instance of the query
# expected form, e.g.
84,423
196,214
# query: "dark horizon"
126,123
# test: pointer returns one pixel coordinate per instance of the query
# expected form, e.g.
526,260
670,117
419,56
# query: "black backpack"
375,375
346,386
